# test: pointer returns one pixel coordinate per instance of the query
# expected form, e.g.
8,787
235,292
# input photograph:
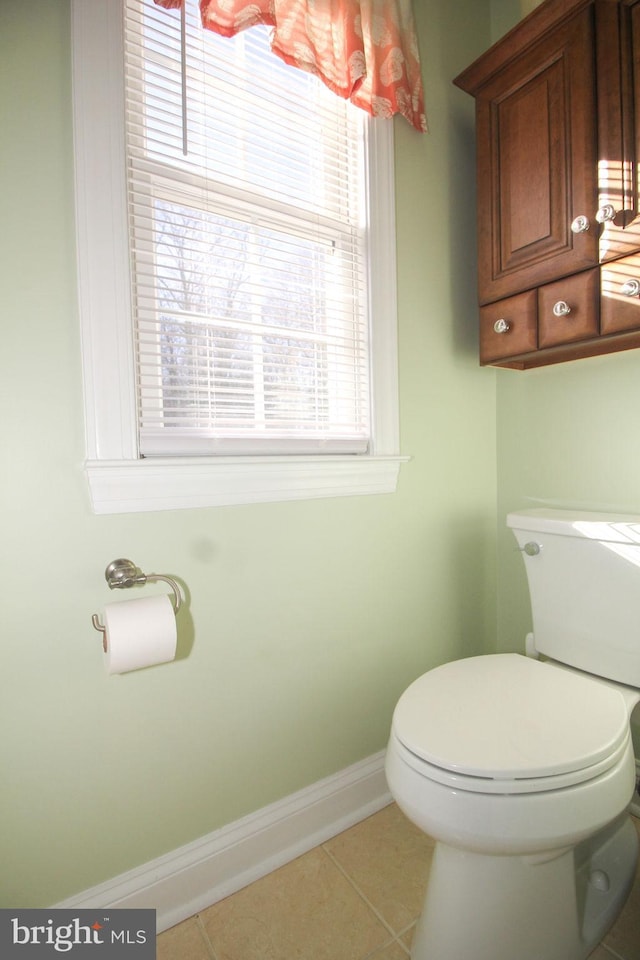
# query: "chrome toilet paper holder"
121,574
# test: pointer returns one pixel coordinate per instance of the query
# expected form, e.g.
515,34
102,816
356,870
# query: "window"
236,270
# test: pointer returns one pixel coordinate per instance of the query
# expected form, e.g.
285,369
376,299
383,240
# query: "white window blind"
247,215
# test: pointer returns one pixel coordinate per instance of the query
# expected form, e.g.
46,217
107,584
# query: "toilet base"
557,906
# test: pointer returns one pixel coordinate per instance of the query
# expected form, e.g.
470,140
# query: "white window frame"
119,480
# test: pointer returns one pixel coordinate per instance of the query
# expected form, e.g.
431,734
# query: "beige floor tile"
183,942
306,910
388,859
624,936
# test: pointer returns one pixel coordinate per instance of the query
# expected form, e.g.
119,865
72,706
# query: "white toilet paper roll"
139,633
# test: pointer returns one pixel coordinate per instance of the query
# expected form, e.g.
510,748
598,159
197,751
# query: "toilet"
521,767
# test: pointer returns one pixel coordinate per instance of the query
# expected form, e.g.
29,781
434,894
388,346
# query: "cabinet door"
537,170
618,69
568,309
620,296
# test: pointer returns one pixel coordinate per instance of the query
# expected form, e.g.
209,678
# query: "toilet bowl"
473,759
522,771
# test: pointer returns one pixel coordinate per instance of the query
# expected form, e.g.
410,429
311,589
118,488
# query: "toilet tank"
584,583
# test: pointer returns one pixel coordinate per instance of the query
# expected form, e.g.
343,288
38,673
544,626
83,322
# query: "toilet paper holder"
121,574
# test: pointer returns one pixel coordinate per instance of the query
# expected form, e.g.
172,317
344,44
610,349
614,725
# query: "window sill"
135,486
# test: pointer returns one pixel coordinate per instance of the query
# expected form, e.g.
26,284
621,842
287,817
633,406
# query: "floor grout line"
378,950
614,954
211,949
394,933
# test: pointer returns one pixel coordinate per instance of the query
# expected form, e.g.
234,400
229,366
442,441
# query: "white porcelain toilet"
522,769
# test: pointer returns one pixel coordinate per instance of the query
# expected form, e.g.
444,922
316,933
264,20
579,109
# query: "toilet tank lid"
610,527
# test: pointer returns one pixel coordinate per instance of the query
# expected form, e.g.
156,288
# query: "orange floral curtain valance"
364,50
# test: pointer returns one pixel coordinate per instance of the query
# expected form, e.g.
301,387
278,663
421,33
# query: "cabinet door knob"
501,326
631,288
607,212
561,308
580,224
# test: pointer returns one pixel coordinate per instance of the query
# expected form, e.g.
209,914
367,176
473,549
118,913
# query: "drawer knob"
631,288
607,212
561,308
501,326
580,224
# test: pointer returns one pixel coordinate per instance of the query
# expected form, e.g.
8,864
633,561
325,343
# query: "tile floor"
356,897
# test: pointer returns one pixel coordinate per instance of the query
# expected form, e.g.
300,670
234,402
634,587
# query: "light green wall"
506,13
305,620
567,437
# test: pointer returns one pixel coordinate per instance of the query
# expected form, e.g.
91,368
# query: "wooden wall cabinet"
557,129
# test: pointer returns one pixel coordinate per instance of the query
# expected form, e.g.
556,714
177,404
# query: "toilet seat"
505,723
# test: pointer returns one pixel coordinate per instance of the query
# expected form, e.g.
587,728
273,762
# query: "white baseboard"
635,803
185,881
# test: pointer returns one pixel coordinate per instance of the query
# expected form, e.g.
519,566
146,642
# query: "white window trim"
120,482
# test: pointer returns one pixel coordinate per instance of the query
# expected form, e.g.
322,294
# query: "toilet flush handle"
532,549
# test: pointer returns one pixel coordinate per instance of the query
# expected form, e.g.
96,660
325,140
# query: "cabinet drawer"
620,296
568,309
508,327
